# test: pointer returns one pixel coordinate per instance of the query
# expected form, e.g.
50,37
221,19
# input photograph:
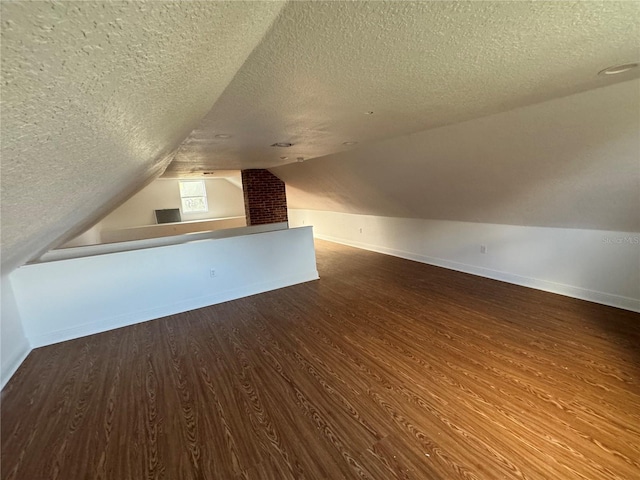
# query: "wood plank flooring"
382,369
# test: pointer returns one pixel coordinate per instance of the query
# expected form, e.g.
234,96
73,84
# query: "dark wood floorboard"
383,369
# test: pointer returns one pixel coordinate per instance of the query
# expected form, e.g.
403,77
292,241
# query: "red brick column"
265,197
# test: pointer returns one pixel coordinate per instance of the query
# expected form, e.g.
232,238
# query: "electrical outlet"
483,249
212,273
360,230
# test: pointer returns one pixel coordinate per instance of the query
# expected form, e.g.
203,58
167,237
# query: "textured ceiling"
416,65
570,162
95,98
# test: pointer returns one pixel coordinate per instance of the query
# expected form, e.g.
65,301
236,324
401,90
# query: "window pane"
192,189
194,204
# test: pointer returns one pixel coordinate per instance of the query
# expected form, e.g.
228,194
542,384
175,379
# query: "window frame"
186,197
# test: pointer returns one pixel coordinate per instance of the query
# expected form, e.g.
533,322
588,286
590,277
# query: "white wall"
14,345
596,265
225,200
66,299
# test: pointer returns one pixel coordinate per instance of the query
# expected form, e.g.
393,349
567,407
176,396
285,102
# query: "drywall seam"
141,316
618,301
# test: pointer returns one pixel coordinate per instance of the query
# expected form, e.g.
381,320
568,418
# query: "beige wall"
135,218
224,198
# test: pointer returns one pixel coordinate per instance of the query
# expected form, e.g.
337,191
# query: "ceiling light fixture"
223,135
282,144
616,69
349,143
300,159
284,158
368,113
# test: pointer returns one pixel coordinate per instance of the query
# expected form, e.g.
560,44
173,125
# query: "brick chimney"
265,197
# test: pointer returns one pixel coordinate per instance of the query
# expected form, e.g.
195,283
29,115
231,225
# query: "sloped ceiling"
96,96
572,162
416,65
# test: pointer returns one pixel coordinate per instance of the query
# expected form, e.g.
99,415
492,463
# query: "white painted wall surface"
596,265
72,298
14,344
105,248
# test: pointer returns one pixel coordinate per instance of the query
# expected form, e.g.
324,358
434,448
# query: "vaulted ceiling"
98,97
572,162
415,65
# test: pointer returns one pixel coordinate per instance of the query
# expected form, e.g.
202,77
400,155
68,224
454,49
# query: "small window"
194,196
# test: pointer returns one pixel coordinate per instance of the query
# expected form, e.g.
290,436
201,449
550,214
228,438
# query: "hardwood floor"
382,369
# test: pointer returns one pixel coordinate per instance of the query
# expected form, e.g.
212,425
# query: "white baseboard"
604,298
11,366
170,309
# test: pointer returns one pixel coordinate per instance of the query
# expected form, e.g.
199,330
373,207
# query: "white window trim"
187,211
